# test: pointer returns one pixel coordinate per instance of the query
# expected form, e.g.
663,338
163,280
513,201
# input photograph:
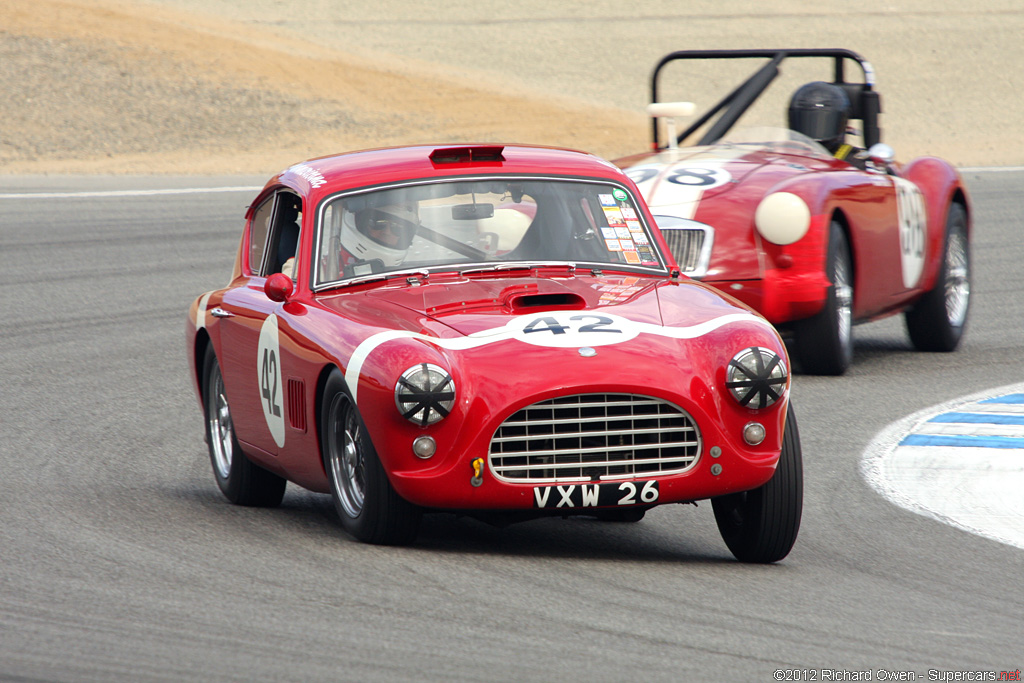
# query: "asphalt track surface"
121,561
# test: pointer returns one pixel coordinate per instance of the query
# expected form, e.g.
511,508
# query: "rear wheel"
240,480
762,525
824,342
936,322
369,507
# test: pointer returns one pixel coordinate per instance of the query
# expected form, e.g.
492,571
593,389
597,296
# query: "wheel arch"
200,345
839,216
318,407
960,197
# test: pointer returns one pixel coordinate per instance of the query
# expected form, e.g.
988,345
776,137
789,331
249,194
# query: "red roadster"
809,230
492,330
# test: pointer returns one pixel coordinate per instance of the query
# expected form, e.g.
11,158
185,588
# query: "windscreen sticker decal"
614,218
910,212
268,370
554,329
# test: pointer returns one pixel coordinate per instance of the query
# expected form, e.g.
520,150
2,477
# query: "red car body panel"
675,340
788,283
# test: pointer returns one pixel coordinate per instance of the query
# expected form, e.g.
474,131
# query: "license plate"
568,496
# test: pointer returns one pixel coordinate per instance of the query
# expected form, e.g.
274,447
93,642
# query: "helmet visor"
385,228
818,123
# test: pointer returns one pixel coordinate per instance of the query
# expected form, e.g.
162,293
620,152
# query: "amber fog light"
424,447
753,433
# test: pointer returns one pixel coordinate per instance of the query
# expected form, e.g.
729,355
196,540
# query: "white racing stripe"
513,330
961,463
991,169
98,194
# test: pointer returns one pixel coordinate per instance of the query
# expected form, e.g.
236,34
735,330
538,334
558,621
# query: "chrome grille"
590,437
685,246
690,243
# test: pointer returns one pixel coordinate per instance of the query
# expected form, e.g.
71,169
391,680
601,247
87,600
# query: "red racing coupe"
493,330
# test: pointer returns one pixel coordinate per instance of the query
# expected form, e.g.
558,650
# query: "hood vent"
569,300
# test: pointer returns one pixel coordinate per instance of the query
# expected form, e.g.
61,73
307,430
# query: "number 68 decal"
568,329
913,225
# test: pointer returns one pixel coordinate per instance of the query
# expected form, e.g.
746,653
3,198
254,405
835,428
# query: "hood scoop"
519,303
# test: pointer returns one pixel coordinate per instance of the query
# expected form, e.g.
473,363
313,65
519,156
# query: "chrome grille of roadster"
690,244
591,437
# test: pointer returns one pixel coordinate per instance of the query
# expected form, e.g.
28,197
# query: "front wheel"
369,507
937,320
240,480
824,342
761,525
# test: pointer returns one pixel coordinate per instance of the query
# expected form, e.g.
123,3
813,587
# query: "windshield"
772,139
481,222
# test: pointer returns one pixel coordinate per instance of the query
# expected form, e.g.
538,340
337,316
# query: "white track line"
126,193
208,190
961,463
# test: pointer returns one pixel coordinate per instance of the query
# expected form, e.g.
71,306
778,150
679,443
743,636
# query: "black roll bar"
865,102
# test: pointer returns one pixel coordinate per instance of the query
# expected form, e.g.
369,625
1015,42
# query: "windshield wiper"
382,277
508,266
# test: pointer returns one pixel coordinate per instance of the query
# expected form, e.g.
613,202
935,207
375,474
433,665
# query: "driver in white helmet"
379,233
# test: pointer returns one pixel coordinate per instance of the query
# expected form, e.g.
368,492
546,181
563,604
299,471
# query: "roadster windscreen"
455,224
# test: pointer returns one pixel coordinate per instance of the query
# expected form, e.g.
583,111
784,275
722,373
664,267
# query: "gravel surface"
233,86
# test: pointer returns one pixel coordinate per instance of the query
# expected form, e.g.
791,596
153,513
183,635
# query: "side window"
258,230
284,238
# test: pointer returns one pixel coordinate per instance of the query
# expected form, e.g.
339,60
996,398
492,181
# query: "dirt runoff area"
233,87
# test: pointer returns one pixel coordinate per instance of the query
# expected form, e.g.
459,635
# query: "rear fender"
941,185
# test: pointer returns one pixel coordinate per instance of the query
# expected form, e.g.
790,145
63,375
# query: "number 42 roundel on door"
268,368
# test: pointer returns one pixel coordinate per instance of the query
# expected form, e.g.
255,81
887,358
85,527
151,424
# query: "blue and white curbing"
960,462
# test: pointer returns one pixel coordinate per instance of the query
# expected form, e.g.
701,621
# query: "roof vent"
466,155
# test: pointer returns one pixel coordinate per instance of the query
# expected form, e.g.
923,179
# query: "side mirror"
278,287
881,153
670,111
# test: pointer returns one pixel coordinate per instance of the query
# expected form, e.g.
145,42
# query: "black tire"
824,342
937,320
762,525
369,507
240,480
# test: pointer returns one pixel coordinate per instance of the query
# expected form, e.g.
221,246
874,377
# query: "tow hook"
478,468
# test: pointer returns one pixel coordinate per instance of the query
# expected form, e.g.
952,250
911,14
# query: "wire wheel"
345,455
938,320
958,283
824,342
222,431
843,284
